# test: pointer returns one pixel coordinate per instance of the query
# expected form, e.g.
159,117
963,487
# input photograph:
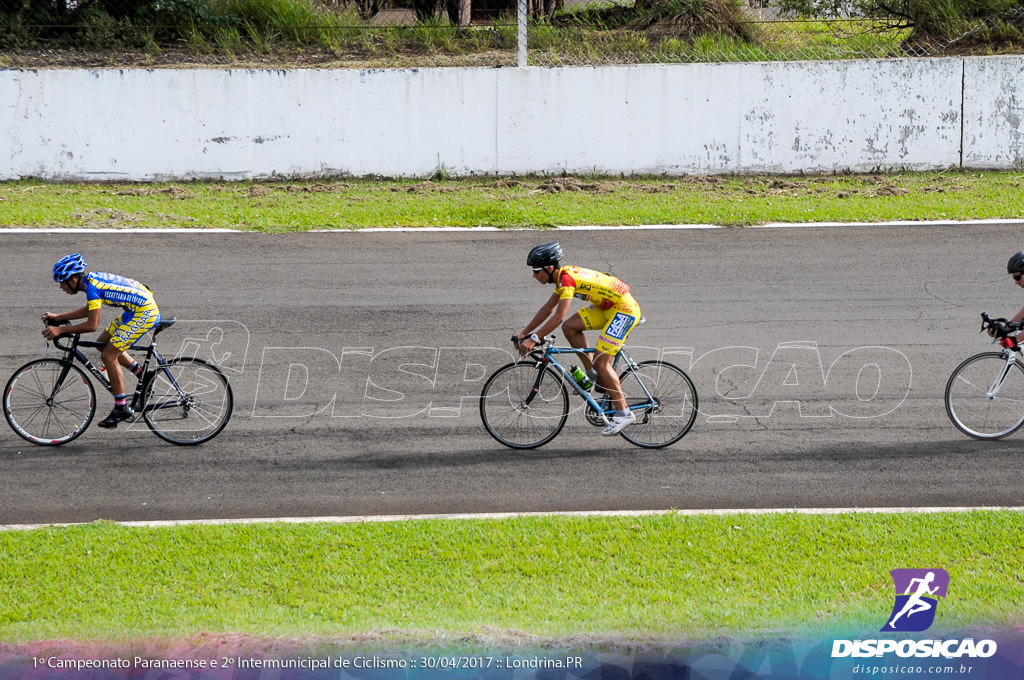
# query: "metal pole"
521,34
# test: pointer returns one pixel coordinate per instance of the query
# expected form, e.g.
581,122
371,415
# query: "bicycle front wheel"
188,401
523,406
664,401
49,402
985,396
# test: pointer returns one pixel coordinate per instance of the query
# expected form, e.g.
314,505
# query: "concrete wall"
677,119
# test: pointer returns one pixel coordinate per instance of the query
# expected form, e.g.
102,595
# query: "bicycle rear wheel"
523,406
49,402
188,401
985,397
669,412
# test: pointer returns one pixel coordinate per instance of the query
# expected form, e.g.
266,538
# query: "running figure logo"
917,591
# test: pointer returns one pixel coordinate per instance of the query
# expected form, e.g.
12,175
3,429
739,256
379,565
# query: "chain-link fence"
438,33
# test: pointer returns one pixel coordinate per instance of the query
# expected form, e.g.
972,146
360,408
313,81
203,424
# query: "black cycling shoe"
119,414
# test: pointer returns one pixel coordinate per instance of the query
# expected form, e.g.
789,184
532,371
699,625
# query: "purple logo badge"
917,593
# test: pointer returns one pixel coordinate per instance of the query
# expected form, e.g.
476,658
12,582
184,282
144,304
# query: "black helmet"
545,255
1016,264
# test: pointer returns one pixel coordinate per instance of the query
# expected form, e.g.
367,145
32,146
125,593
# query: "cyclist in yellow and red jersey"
612,310
1015,268
140,315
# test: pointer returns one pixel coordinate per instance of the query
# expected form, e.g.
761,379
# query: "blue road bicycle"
184,401
525,404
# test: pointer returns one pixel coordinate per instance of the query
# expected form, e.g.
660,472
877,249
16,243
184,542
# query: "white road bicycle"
985,394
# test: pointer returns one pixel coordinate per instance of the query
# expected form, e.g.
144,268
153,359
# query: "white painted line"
364,519
584,227
640,227
110,230
408,230
416,230
891,223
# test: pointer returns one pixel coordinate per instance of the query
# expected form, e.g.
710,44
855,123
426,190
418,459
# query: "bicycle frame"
548,357
73,353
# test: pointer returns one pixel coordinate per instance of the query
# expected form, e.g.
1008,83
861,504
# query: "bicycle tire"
42,412
676,404
197,417
514,417
970,408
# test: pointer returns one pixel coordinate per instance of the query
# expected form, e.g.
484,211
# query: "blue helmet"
67,267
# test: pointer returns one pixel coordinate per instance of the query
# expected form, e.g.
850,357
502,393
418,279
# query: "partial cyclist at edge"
140,315
612,310
1015,268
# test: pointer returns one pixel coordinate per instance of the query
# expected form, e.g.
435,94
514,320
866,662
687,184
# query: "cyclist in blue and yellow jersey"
612,310
139,316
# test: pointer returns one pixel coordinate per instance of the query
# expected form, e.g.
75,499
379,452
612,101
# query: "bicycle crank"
594,418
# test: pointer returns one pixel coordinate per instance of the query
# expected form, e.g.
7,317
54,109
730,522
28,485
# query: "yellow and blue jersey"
140,310
117,291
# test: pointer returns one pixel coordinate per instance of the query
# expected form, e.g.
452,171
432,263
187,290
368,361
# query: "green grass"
286,33
516,202
668,577
657,577
304,34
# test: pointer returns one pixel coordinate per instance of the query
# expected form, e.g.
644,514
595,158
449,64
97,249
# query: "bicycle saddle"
164,325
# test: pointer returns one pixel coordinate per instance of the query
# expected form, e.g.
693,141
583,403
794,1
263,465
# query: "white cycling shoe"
617,423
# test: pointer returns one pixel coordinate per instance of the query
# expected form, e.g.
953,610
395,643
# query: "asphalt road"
820,356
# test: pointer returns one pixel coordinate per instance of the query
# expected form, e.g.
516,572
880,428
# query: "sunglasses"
1016,277
537,269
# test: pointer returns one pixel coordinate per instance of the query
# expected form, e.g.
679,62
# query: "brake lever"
55,323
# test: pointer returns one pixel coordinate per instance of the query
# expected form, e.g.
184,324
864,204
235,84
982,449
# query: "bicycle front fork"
1010,360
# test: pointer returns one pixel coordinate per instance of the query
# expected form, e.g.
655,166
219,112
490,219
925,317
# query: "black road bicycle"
525,404
184,401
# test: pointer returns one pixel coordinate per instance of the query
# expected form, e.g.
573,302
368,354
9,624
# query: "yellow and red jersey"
604,291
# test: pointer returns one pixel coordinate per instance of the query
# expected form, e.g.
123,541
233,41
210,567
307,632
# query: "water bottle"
581,377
